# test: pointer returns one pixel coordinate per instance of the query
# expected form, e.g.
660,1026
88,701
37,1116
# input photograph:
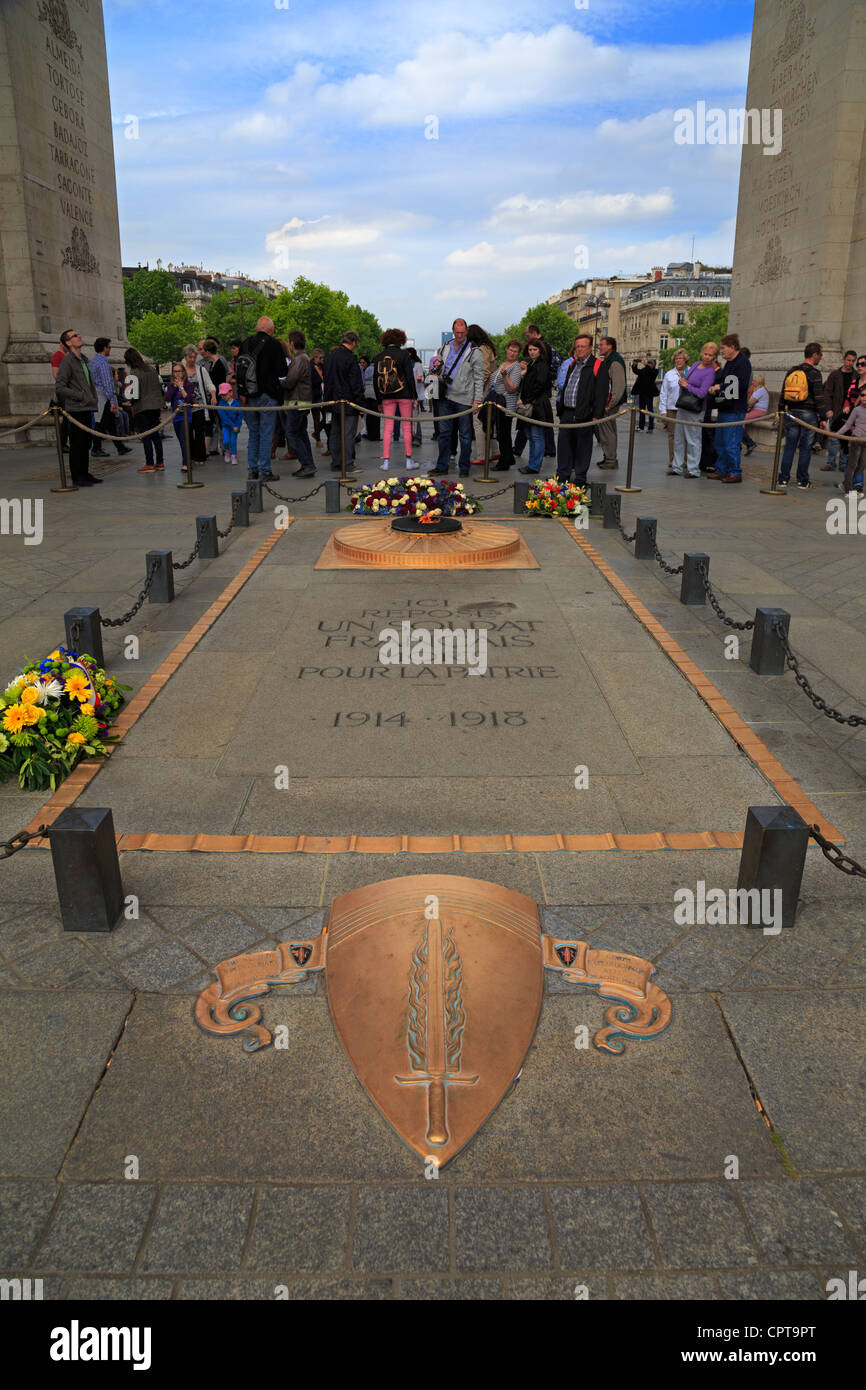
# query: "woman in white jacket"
668,398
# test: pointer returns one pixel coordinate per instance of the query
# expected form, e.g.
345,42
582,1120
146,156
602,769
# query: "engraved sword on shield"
434,1035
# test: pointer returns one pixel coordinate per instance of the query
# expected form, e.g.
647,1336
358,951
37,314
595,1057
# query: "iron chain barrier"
235,505
10,847
668,569
841,861
856,721
717,607
305,498
184,564
119,622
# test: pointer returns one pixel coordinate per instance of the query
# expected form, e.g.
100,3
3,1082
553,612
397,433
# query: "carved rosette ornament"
55,14
435,985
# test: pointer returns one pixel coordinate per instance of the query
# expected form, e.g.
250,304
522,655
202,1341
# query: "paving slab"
55,1078
791,1045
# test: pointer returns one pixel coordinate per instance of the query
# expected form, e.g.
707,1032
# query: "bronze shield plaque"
435,986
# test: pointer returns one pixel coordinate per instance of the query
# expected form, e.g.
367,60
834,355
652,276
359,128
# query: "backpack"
388,379
796,386
246,372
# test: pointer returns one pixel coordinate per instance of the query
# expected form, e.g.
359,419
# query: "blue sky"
281,138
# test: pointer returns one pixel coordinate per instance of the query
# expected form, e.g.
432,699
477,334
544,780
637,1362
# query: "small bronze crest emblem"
435,985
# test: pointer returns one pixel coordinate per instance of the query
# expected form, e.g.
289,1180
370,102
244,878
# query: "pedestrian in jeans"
732,394
802,398
461,388
855,425
145,397
298,386
687,435
259,370
504,386
535,392
179,397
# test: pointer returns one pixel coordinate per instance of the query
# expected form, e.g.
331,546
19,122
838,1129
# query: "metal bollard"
162,588
521,492
645,538
242,514
774,855
332,495
85,622
206,535
612,507
767,656
692,589
597,494
254,495
86,869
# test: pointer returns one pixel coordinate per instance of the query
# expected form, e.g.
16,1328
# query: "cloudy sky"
462,156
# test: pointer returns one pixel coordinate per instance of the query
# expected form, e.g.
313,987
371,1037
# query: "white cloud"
482,253
576,210
458,77
461,294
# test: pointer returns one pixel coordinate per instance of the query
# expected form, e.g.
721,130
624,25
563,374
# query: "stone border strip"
789,790
71,788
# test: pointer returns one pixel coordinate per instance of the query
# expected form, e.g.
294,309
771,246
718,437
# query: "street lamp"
244,304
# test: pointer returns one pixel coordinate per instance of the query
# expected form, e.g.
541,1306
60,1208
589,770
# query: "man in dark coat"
583,397
645,388
77,394
344,382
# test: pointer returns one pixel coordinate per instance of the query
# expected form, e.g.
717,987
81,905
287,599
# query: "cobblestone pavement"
258,1175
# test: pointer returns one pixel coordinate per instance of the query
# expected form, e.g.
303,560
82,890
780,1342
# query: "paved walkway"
596,1171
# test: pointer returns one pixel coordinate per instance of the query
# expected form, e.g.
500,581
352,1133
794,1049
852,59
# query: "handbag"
687,400
523,407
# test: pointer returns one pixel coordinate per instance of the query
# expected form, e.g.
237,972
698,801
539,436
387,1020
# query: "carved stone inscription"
68,145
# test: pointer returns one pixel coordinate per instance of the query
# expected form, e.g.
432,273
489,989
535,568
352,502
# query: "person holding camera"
461,385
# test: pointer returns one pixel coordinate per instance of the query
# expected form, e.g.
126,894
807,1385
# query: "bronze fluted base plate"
435,984
366,545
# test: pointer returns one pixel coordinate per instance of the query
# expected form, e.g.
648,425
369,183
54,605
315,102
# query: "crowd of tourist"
276,388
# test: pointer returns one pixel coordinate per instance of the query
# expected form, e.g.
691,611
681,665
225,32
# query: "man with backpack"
582,397
259,369
803,400
618,386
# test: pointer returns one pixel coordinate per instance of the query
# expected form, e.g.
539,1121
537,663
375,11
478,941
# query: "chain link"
184,564
235,506
306,497
668,569
716,606
836,857
10,847
119,622
622,532
856,721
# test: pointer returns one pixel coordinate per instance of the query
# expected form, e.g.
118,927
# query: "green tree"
320,312
704,325
368,329
556,327
150,292
222,320
162,337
